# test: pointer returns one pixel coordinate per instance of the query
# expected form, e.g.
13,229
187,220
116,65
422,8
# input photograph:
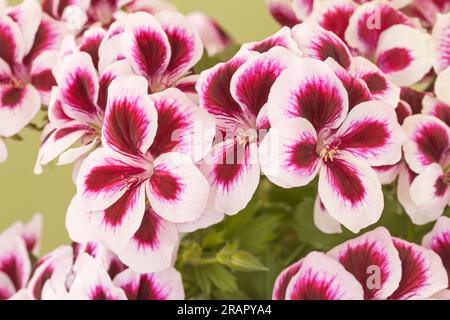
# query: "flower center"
329,152
244,137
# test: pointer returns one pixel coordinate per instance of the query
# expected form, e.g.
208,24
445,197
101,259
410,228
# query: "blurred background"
22,193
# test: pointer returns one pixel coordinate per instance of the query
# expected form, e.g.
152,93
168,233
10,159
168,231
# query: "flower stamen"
329,152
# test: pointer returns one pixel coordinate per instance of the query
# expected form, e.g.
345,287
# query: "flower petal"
438,240
387,173
374,261
322,278
427,143
3,152
422,272
368,22
436,108
131,119
154,245
186,46
208,218
440,42
351,192
92,282
323,221
429,192
164,285
14,260
405,61
371,133
282,38
283,280
318,43
11,41
41,74
177,191
18,106
282,12
309,89
288,153
380,87
7,289
182,126
233,172
78,83
441,86
146,45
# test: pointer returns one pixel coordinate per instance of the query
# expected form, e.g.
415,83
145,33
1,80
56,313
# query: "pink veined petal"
413,98
57,261
368,22
282,12
208,218
90,43
356,88
114,70
380,87
441,295
183,126
177,190
186,47
437,108
153,247
333,15
60,140
318,43
288,153
187,85
374,261
322,278
104,179
3,152
438,240
430,192
213,36
77,80
387,173
417,215
428,141
403,111
112,227
14,260
56,113
213,87
111,50
303,8
11,41
41,74
282,38
163,285
18,106
323,221
283,280
351,192
146,45
5,71
32,234
233,172
441,86
28,16
48,37
7,289
440,42
405,61
131,119
423,273
251,83
92,282
371,133
308,89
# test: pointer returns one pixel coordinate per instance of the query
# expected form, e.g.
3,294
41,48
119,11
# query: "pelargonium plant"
313,164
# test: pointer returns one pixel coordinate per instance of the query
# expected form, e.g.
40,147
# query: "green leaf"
213,238
222,278
202,279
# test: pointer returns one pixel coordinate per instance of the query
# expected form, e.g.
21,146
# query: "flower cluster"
373,266
346,97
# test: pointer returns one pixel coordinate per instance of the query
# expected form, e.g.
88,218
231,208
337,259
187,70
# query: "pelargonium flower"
78,101
398,47
440,42
427,155
162,48
88,271
28,40
17,244
438,240
426,10
235,93
374,266
313,131
131,191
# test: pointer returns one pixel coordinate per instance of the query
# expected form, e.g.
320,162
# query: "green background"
22,193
